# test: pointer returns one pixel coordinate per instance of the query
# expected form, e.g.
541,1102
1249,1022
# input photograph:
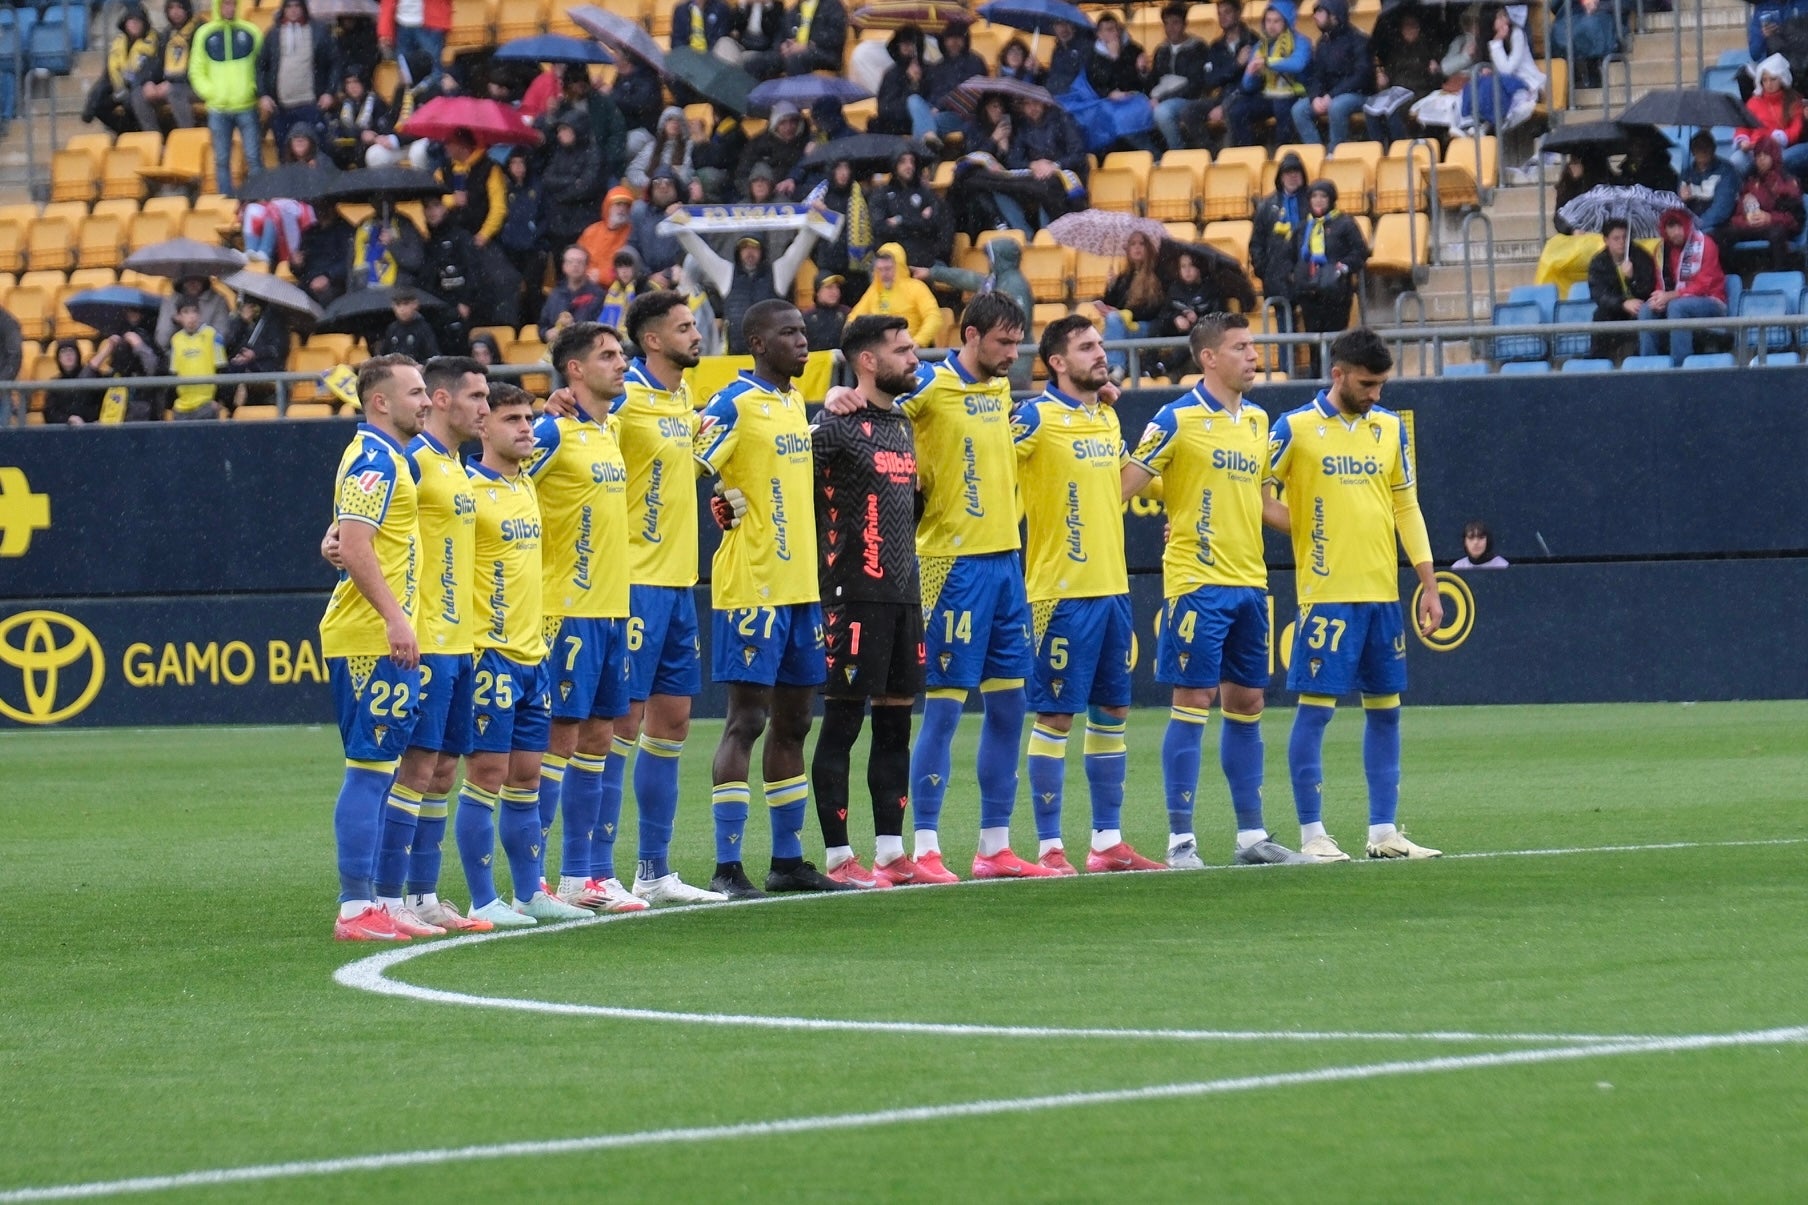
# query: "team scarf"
1273,82
860,231
372,258
615,304
755,219
1688,262
806,13
699,40
981,161
1312,247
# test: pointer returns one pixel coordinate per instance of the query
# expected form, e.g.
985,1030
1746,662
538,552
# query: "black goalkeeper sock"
841,720
888,769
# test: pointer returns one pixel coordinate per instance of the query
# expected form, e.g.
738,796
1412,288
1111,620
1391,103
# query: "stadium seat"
1228,192
1457,181
1525,367
1194,159
310,410
1587,365
1645,364
1542,296
1578,291
524,18
1778,359
1355,185
1367,151
102,241
1473,368
470,26
1790,284
1047,312
1400,185
51,241
1046,268
1767,303
1091,273
1118,190
1579,313
120,172
32,308
1311,154
1140,162
1232,238
1717,359
202,225
150,226
1182,232
1722,79
1400,244
186,162
15,223
74,175
1255,158
1508,349
1173,194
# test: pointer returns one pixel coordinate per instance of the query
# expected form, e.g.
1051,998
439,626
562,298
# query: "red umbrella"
489,122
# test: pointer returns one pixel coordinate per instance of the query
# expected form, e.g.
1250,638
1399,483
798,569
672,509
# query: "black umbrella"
106,309
1225,274
863,150
1687,107
709,77
1581,135
366,312
181,258
295,181
273,291
377,185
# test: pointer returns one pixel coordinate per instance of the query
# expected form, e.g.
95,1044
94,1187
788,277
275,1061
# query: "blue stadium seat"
1543,296
1790,284
1778,359
52,48
1582,313
1474,368
1519,347
1645,364
1717,359
75,17
1586,365
1525,368
1578,291
1721,79
1767,303
1736,57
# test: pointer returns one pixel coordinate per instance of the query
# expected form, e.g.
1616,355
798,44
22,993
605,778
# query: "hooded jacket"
1713,190
132,60
1341,62
173,52
1186,59
569,184
707,21
1326,253
1779,116
907,298
1277,217
923,238
222,66
658,252
1006,276
1287,57
1693,269
326,56
953,70
602,241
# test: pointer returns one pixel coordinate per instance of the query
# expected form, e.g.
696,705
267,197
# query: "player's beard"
893,386
1100,377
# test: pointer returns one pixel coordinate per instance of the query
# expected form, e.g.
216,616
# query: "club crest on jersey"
1184,658
1375,430
943,659
369,480
492,494
1208,422
1321,430
483,723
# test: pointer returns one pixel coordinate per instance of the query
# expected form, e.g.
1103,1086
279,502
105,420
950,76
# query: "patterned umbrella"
327,10
619,33
804,91
489,122
1034,16
1103,232
1640,206
968,96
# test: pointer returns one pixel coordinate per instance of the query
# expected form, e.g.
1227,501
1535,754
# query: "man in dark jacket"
1046,141
1327,253
958,65
638,96
1621,278
1070,58
1277,217
700,24
453,276
779,147
1180,56
296,73
812,41
1225,60
576,298
908,212
608,131
570,180
325,257
165,80
1343,76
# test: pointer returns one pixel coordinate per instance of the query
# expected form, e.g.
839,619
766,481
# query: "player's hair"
502,394
577,340
762,315
868,332
650,307
1362,348
375,372
993,311
1209,330
1057,333
445,372
1613,224
186,302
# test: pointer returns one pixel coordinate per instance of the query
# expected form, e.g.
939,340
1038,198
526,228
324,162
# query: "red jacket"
1706,279
1769,110
436,15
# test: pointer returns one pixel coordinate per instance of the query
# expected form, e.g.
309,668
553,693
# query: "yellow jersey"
582,482
1348,484
201,354
448,521
1211,464
376,486
656,427
1069,457
965,466
507,581
757,440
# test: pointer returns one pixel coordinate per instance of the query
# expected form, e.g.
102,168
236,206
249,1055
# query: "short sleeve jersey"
757,439
1338,476
448,522
582,483
964,462
201,354
507,595
656,428
1069,457
1211,465
375,486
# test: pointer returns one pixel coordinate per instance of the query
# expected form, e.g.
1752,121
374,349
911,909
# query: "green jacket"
222,66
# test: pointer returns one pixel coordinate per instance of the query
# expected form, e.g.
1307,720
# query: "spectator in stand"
1710,185
1778,107
409,335
701,24
1071,55
355,45
1621,278
895,292
296,73
72,407
1478,548
608,129
131,59
164,81
386,253
1281,213
815,36
1647,161
1769,209
358,121
1133,301
828,122
324,263
569,181
1511,63
749,278
1045,142
629,281
1583,170
576,298
660,254
669,149
196,349
640,98
1409,62
1343,77
523,234
408,27
1226,60
779,147
1273,79
215,311
833,256
1004,259
1328,252
823,321
485,350
542,93
758,28
609,233
1191,296
908,212
273,229
222,70
13,406
1118,63
1465,49
391,149
1690,284
452,274
1585,32
903,95
1175,80
958,65
1774,28
1015,62
478,188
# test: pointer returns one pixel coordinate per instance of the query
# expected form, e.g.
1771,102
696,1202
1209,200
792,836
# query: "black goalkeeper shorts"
875,650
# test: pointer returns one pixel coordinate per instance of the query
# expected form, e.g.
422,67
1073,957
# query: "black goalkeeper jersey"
866,467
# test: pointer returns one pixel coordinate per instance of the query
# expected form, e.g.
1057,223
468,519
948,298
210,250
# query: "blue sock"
1240,754
552,782
583,799
474,830
1106,760
785,801
728,800
933,758
1180,764
401,814
1381,759
656,797
1048,775
429,835
1000,749
1306,759
520,832
608,812
358,826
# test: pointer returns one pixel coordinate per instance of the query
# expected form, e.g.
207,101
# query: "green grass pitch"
170,1005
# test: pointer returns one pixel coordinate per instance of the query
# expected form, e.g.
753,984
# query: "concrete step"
1447,299
1711,16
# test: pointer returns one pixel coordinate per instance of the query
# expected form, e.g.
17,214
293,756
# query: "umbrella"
619,33
1034,16
709,77
967,97
181,258
274,292
296,181
863,150
553,48
381,185
804,91
1640,206
1611,135
327,10
488,122
105,309
367,312
1687,107
1104,232
896,14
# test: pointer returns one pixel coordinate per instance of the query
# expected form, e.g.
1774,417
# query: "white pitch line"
922,1113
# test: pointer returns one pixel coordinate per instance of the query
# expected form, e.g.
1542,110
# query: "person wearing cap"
814,38
1328,252
779,147
823,322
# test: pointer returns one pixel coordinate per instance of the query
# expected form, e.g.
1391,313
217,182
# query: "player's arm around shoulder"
1026,421
547,437
1144,463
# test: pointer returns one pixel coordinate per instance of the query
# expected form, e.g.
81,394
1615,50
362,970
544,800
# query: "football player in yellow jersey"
367,634
1210,448
582,483
1343,466
1069,453
511,693
766,638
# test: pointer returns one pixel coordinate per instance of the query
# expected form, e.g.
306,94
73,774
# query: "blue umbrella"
804,91
619,33
105,309
553,48
1034,16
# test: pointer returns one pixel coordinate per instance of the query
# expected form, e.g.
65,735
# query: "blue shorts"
1083,656
1344,647
977,625
588,669
377,712
663,658
511,705
445,723
769,646
1214,634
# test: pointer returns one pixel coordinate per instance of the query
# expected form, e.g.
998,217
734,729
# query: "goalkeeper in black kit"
866,518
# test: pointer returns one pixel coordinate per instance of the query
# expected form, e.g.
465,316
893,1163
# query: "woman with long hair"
670,147
1133,300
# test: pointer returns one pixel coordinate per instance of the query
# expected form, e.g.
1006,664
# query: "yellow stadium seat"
951,336
1182,232
942,178
1231,237
1047,312
1194,159
1140,162
254,414
528,351
151,226
1116,189
1091,273
102,241
1046,270
803,288
1173,193
120,207
202,226
311,410
119,174
313,359
1396,178
73,175
992,236
974,259
1457,182
1354,183
50,243
1368,152
96,144
521,19
32,308
1366,227
92,278
342,346
1229,189
1556,91
15,223
1311,154
186,161
148,143
1397,250
175,204
67,327
470,26
1253,157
